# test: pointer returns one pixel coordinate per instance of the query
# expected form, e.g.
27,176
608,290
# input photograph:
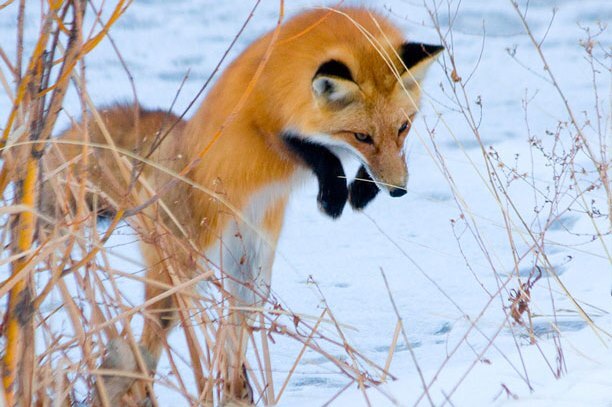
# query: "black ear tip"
414,52
433,49
421,47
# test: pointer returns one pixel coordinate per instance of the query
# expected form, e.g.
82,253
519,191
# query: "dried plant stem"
396,333
19,327
19,313
408,345
600,166
19,309
299,357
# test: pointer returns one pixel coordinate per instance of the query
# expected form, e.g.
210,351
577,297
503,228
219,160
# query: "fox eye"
403,128
364,138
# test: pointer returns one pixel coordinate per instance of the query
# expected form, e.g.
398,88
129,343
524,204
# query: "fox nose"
397,192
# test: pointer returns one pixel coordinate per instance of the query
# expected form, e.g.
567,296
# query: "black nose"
397,192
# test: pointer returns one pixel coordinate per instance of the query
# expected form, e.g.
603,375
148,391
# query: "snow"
443,281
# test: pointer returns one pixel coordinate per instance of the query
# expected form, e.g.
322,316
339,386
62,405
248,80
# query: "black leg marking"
361,193
248,393
333,192
167,315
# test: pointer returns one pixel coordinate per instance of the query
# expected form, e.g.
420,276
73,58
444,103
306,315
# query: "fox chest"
243,254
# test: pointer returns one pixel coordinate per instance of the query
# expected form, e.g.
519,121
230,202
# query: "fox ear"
417,57
333,85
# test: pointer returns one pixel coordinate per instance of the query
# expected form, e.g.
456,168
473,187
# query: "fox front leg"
362,190
333,192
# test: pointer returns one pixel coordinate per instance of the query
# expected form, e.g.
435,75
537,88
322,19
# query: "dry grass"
64,302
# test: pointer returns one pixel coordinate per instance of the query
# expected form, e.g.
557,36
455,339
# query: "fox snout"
390,172
368,183
396,186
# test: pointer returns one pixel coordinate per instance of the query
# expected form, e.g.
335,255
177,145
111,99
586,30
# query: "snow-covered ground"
444,247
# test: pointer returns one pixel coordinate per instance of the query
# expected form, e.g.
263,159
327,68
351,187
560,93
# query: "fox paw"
239,393
332,197
362,190
119,356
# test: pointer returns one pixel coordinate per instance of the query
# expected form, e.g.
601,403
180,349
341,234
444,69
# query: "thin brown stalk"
406,340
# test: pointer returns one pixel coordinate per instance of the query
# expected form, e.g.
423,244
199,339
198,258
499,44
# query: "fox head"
365,108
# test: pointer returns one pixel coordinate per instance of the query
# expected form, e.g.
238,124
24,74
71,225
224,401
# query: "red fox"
329,82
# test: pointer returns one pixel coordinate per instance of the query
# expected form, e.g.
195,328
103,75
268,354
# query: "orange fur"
246,160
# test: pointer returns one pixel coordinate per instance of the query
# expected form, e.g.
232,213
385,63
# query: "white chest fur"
244,254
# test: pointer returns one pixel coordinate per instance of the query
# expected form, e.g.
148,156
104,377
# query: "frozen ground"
459,333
